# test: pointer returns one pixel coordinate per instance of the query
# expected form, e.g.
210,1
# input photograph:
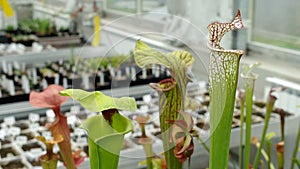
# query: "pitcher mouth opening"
164,85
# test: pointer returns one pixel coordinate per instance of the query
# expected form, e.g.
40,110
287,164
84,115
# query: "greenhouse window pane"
129,6
277,23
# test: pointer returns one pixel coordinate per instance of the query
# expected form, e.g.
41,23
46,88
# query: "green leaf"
155,161
174,90
223,77
295,151
249,82
177,62
297,162
269,136
247,70
51,163
97,101
106,140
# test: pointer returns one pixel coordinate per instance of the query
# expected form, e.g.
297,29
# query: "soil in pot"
28,135
35,163
82,116
15,164
255,118
202,124
27,147
201,111
86,150
21,125
4,142
43,121
7,152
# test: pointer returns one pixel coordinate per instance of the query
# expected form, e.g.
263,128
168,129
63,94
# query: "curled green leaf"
247,71
97,101
105,131
172,93
176,62
106,139
269,136
223,77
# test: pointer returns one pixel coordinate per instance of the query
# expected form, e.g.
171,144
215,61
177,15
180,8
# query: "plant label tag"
56,78
112,72
144,73
34,126
33,117
144,108
36,152
47,135
14,131
2,134
127,71
71,120
56,148
4,67
147,98
65,83
85,81
79,131
75,109
119,74
133,74
21,140
44,83
101,75
149,127
82,141
11,88
50,113
9,120
34,76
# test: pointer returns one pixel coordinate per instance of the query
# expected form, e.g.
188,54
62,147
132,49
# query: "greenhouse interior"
149,84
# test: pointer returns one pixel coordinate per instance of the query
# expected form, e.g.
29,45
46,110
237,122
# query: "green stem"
265,155
249,86
280,154
224,66
147,144
149,163
268,147
270,105
202,143
241,154
170,103
296,148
